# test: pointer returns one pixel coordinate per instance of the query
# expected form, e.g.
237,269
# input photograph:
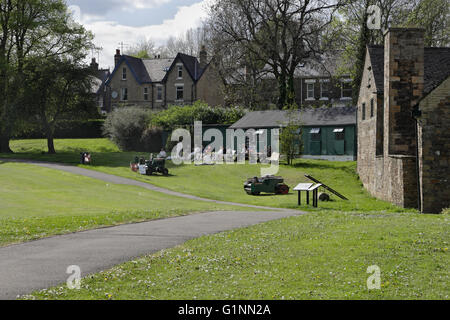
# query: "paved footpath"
43,263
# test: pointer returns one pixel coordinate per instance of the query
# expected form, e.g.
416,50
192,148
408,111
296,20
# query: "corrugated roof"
307,117
436,67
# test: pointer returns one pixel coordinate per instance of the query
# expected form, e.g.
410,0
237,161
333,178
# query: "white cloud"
108,34
143,4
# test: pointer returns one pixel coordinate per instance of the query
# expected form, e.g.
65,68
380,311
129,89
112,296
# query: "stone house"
404,122
158,83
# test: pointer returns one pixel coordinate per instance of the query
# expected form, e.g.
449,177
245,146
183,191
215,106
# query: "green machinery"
148,167
268,184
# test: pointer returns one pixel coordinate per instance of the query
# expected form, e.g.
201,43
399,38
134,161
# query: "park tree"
32,29
351,33
57,88
290,136
279,34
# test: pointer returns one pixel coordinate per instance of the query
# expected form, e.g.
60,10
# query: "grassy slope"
322,255
221,182
36,202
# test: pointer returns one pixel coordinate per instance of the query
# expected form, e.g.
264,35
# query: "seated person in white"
162,154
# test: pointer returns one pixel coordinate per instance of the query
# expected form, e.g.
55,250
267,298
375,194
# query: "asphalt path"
40,264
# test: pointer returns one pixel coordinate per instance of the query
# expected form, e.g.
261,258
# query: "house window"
372,108
124,96
180,72
363,112
339,134
346,88
324,90
159,93
145,94
315,134
124,74
310,91
180,93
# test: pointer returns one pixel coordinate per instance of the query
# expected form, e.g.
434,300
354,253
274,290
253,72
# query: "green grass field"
323,255
220,182
37,202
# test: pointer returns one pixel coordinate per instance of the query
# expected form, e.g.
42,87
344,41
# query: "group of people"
208,155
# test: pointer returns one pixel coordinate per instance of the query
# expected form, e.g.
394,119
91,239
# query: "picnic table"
308,187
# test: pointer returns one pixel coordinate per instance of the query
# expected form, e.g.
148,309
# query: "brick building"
404,122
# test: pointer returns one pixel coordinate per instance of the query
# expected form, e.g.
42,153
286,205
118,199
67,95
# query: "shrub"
181,116
126,126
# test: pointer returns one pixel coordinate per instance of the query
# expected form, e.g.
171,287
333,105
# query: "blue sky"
130,21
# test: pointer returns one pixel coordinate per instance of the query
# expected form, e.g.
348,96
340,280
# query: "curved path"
43,263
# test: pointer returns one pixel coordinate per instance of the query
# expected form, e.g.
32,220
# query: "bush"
181,116
126,128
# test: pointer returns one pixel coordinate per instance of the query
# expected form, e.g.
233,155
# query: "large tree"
279,34
31,28
350,30
57,88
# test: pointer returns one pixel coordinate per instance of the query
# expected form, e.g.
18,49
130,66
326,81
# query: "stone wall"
434,149
209,88
403,87
386,136
172,82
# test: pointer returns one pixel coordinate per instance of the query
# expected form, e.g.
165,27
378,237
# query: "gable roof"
436,67
337,116
190,63
156,70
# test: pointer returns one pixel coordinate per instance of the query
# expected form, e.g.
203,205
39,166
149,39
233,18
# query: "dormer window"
180,71
124,74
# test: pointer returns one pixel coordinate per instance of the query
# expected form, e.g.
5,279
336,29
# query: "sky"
130,21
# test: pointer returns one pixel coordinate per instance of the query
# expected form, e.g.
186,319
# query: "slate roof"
156,70
436,67
337,116
191,64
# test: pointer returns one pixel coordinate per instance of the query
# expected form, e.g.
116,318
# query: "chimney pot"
117,57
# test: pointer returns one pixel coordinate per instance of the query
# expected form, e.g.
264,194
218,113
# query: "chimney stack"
203,57
117,57
94,64
403,86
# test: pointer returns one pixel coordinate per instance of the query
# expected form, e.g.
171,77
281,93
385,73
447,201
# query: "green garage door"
339,141
315,142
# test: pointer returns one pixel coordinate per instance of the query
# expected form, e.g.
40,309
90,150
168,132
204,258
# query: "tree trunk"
4,144
290,92
50,141
282,91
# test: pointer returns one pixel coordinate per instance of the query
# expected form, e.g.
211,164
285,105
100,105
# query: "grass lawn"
36,202
221,182
322,255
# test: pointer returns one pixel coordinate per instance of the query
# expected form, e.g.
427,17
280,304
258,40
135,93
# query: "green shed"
327,133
